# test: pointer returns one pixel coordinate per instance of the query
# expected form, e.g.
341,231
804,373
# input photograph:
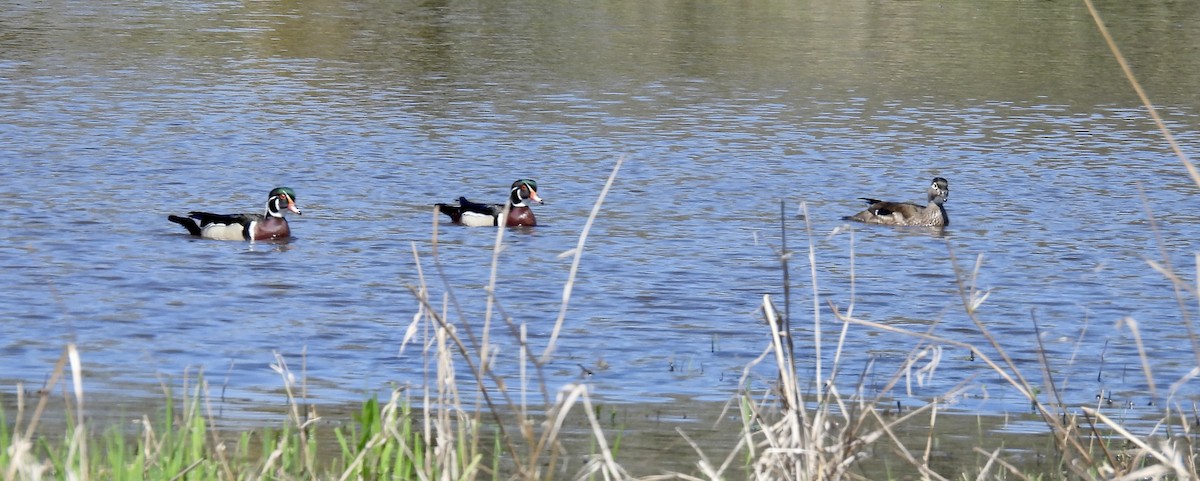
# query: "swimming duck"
898,213
519,214
269,225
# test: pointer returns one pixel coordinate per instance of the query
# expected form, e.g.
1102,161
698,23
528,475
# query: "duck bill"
533,195
292,206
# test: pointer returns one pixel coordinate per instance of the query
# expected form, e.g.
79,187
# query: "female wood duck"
897,213
269,225
519,214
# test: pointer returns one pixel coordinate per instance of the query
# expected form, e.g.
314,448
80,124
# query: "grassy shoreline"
51,434
646,440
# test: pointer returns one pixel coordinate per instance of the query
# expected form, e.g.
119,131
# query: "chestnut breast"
271,228
521,216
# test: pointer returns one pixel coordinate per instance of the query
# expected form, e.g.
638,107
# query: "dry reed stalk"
1141,93
705,465
24,463
1165,267
79,439
1167,270
450,436
816,307
445,328
447,411
1169,459
904,453
222,457
799,445
994,457
577,253
1175,279
822,441
1070,447
604,463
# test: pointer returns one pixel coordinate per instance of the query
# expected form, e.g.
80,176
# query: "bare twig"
578,253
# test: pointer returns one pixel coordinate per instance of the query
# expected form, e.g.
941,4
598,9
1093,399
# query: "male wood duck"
897,213
519,214
269,225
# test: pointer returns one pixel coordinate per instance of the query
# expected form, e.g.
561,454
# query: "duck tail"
451,210
187,223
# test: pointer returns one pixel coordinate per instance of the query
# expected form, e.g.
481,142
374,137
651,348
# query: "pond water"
117,115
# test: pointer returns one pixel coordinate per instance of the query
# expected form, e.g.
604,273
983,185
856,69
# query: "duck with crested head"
932,214
266,226
474,214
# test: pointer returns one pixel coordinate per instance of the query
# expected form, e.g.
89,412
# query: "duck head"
524,189
279,199
939,190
